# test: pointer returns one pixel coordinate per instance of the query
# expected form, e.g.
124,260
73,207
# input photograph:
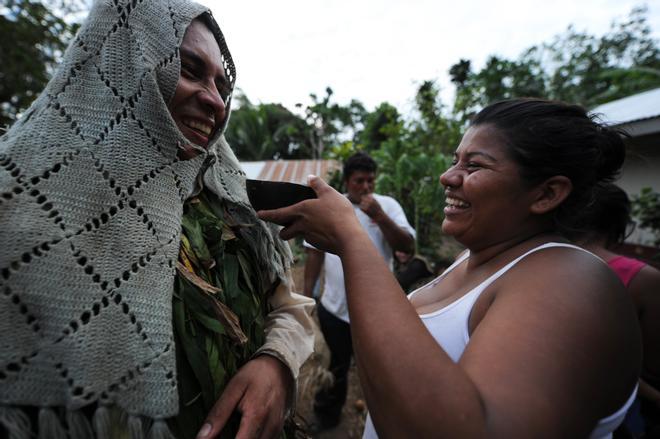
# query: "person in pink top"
626,268
608,225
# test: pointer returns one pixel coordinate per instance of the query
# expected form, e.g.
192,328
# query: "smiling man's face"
198,105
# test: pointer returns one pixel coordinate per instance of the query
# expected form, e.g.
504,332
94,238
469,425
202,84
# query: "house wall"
641,169
642,165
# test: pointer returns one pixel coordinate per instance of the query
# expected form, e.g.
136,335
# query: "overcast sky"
378,51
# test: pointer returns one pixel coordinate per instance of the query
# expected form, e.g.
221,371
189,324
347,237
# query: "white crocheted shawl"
91,196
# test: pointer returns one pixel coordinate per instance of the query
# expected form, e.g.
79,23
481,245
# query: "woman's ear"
551,193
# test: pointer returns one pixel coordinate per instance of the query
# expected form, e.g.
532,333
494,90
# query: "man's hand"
397,237
371,207
260,392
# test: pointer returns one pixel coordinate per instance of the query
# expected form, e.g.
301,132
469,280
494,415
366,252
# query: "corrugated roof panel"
281,172
294,171
298,171
289,170
641,106
266,172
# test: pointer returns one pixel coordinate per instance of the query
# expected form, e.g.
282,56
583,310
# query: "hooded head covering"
91,196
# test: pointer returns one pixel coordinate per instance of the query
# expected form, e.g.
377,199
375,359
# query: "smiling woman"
482,179
524,335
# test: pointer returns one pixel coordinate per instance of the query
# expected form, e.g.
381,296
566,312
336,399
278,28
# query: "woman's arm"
539,364
401,367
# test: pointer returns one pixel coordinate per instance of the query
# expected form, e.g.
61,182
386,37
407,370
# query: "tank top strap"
482,286
510,265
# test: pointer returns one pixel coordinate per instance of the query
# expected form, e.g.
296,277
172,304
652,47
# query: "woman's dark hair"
360,161
548,138
608,218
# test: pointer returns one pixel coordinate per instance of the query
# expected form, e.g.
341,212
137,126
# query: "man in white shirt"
389,230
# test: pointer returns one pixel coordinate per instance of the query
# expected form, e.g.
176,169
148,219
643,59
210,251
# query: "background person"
388,229
411,270
602,231
524,335
96,178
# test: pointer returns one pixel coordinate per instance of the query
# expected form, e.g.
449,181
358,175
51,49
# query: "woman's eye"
473,165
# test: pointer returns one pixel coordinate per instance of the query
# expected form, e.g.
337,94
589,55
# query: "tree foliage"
380,125
499,79
271,131
33,37
267,132
330,122
575,67
646,207
411,159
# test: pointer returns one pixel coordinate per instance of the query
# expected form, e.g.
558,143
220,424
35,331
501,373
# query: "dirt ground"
314,374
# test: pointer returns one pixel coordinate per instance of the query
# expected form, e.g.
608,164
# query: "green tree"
331,123
592,70
499,79
411,161
646,209
267,132
575,67
380,125
433,128
33,37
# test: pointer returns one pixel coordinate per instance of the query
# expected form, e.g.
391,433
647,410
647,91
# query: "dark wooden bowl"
266,195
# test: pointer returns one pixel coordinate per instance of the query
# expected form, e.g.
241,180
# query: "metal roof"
293,171
645,105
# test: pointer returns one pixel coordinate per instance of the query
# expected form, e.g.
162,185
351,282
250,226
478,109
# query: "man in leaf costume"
139,292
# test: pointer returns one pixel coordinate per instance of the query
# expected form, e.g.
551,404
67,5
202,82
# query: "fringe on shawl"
79,425
160,430
50,426
102,423
16,423
108,423
135,427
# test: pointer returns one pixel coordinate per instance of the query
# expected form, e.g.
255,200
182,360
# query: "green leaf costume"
220,300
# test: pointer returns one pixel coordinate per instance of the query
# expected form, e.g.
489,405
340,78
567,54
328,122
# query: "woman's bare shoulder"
562,313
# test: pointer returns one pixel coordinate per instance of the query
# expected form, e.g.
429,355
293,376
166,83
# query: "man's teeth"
201,127
454,202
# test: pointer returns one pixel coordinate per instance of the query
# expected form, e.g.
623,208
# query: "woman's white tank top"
449,326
